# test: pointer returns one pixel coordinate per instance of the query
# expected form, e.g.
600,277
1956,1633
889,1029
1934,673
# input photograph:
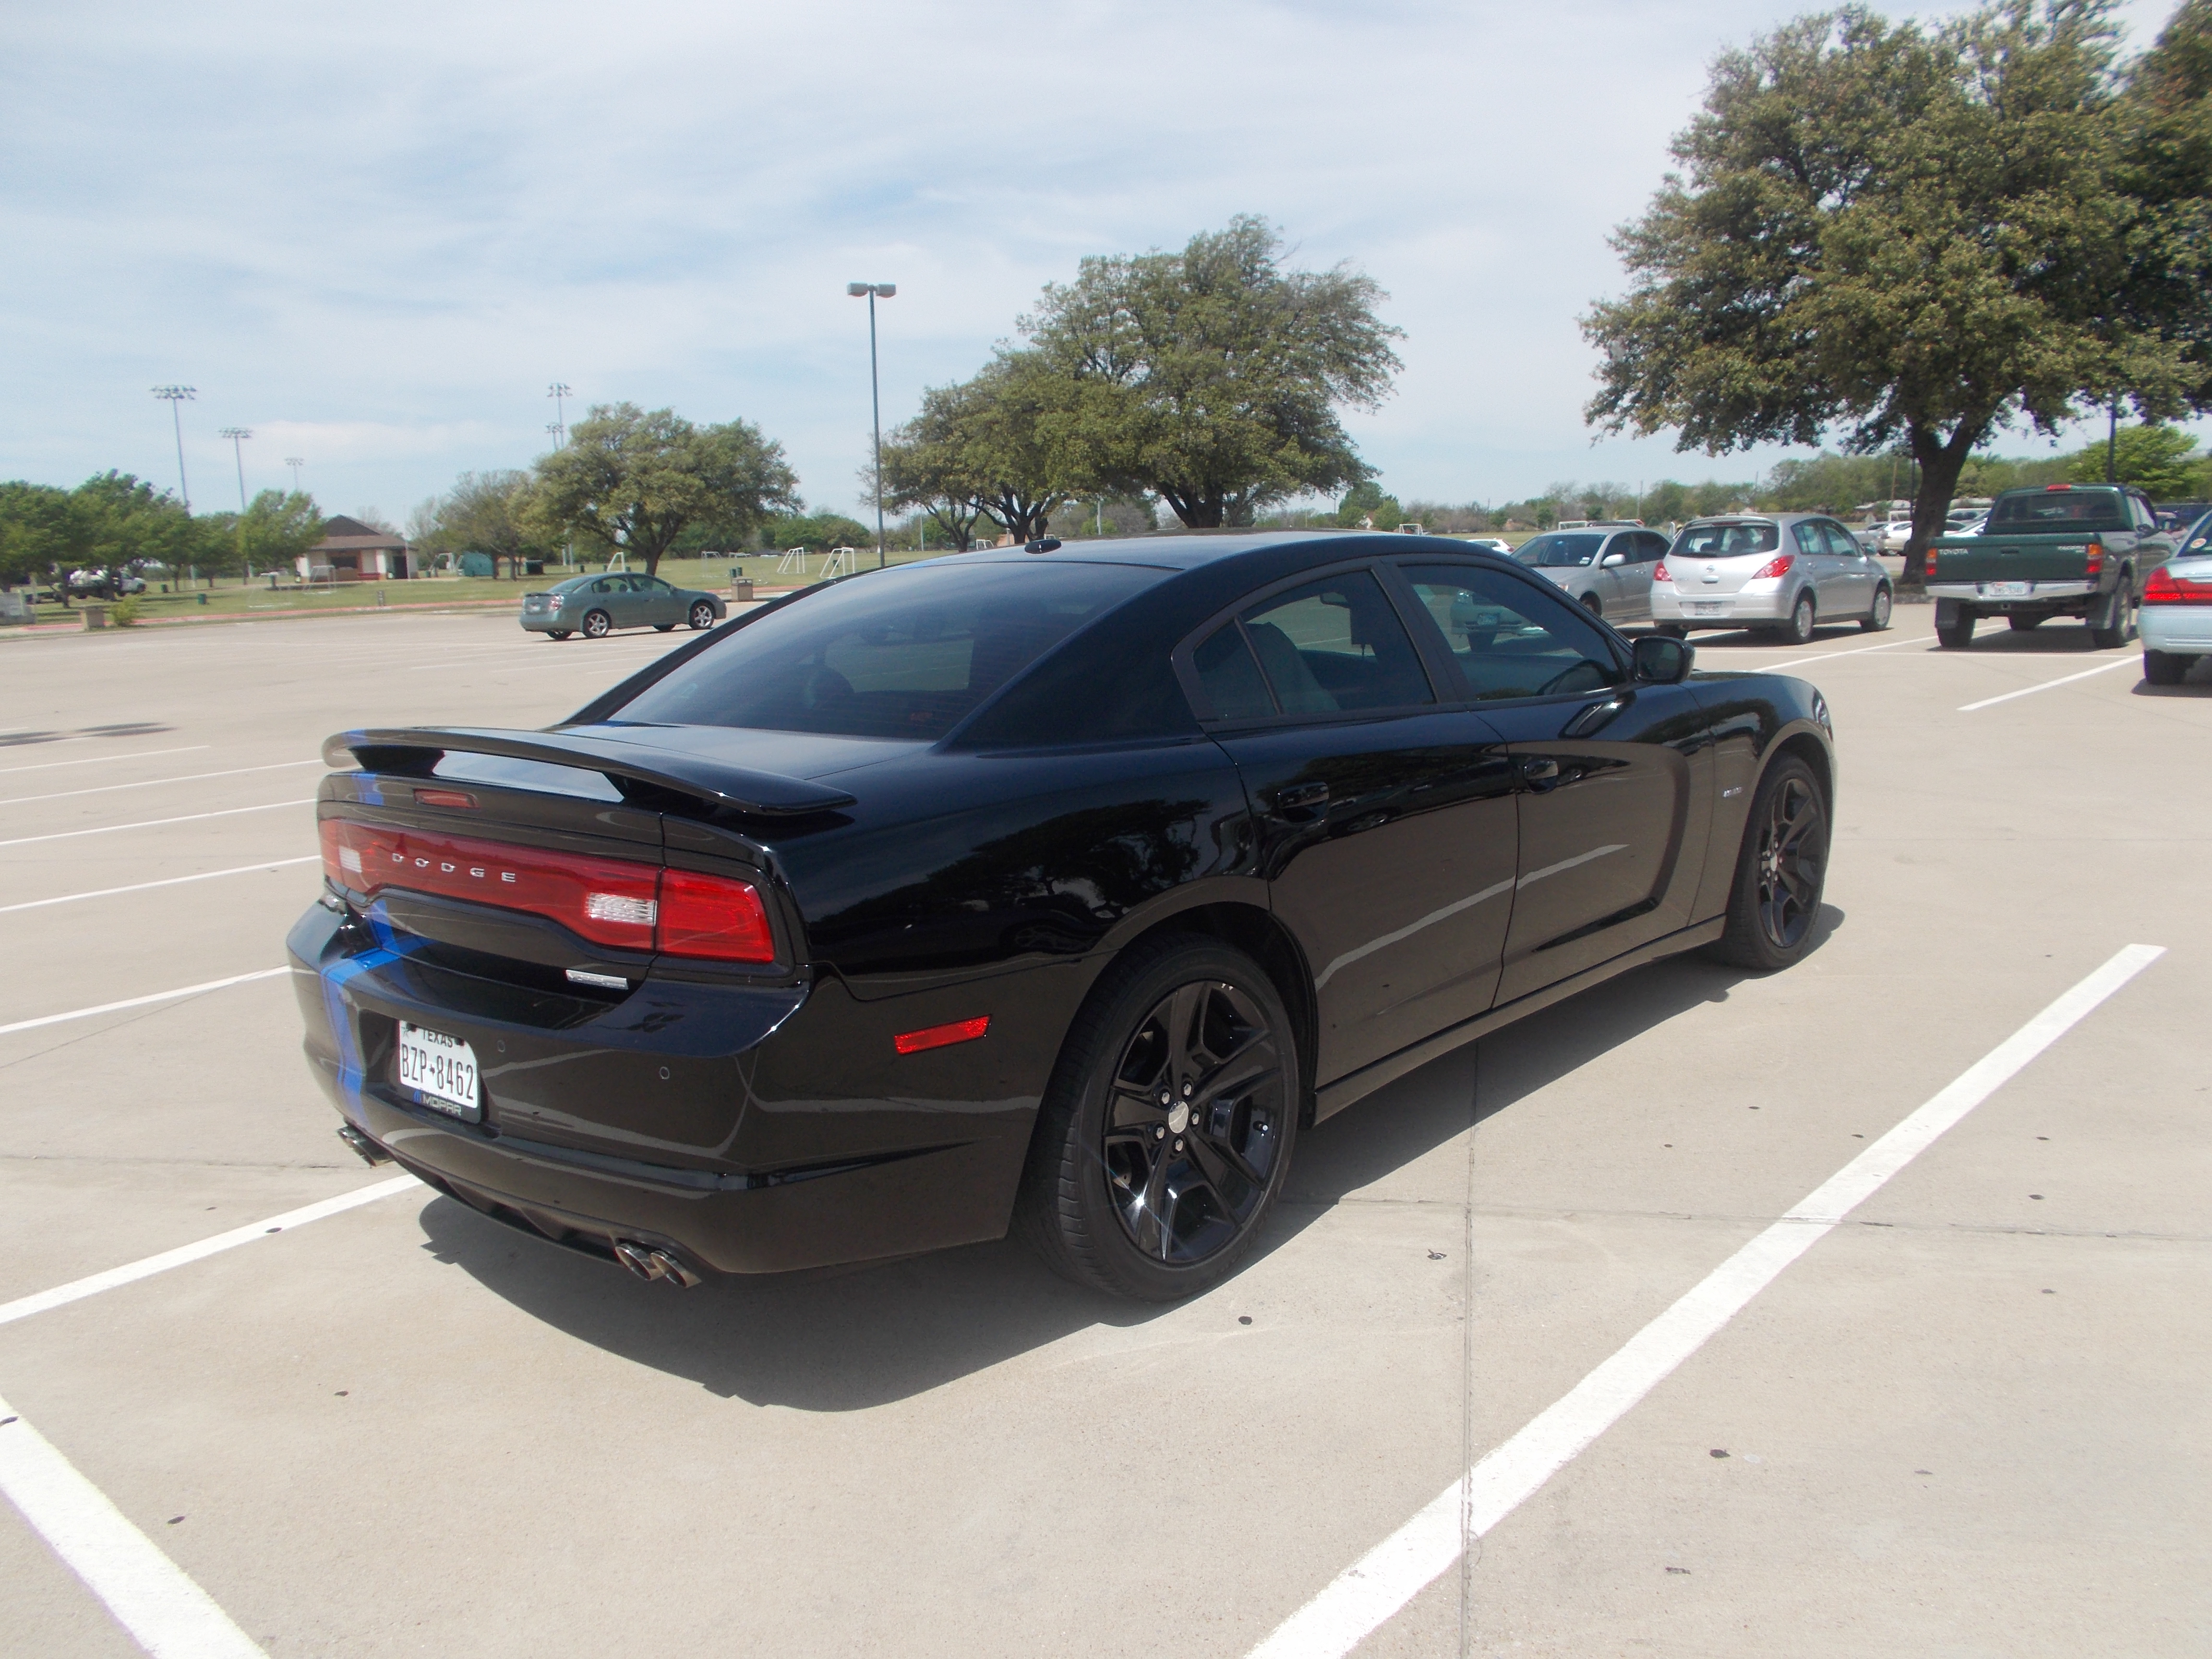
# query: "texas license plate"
1709,607
2007,590
442,1069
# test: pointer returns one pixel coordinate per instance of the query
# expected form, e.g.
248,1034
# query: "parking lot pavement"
1968,1419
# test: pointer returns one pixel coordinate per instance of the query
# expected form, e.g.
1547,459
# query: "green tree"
39,530
276,528
121,519
489,512
985,448
633,481
2160,460
1211,377
817,532
1913,237
2167,167
1366,504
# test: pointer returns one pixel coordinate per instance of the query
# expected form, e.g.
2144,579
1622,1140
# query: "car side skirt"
1333,1097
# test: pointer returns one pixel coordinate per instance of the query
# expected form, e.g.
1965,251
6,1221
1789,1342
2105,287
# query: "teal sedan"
595,606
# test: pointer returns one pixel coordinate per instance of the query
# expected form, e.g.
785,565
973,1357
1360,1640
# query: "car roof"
1194,550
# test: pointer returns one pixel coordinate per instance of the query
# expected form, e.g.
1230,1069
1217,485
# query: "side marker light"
941,1037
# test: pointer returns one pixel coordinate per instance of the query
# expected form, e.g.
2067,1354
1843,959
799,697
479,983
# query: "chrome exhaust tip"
650,1264
368,1152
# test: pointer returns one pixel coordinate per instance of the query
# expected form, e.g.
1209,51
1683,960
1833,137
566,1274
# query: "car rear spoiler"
414,750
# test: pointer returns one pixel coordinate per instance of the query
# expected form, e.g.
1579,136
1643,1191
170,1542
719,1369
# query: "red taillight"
2163,587
609,902
941,1037
1778,566
1659,572
713,917
2095,565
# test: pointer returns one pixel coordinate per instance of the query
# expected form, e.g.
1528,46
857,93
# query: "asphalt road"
1969,1419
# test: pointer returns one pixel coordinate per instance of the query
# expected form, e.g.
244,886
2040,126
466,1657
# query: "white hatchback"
1783,574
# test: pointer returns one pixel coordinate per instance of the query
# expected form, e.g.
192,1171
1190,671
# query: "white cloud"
381,231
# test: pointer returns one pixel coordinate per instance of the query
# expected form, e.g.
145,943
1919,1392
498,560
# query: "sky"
374,235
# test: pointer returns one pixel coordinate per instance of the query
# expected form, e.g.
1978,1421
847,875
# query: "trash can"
741,593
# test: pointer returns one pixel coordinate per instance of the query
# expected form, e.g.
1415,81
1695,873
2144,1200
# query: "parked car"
1783,573
2177,609
104,584
595,606
1605,568
1891,536
1063,891
1490,545
2081,550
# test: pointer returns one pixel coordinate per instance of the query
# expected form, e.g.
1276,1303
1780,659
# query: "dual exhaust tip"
650,1263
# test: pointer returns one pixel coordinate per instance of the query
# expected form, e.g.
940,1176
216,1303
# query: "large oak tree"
1905,237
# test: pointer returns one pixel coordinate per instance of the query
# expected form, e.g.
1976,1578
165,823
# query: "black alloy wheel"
597,624
1798,631
1876,620
1166,1131
1781,871
702,616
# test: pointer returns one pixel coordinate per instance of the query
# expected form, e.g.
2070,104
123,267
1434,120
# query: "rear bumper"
1761,606
2180,630
2069,597
744,1130
547,622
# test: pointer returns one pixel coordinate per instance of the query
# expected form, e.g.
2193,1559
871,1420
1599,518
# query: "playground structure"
794,557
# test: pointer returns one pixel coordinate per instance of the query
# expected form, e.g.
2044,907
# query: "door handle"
1293,796
1539,769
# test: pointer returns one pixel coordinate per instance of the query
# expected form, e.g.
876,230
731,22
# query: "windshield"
905,653
1557,551
2060,511
1726,541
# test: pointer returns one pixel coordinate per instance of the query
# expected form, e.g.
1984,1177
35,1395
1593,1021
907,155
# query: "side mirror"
1613,562
1662,660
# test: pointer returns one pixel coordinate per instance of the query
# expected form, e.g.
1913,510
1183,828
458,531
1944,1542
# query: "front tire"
2164,668
598,624
1165,1133
703,616
1798,631
1780,873
1876,620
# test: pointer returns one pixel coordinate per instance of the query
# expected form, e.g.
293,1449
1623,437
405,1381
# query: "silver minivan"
1606,568
1780,572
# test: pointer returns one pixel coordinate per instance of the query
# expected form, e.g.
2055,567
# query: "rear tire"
1155,1200
1798,631
598,624
1876,620
2164,668
1780,873
1956,636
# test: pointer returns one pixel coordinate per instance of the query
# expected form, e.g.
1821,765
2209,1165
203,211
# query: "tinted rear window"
905,653
2059,511
1726,541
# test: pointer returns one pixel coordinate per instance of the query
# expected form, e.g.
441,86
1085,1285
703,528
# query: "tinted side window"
1509,639
1806,535
1230,678
1335,646
1650,547
1841,543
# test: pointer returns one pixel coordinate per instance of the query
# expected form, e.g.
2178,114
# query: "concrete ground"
1971,1421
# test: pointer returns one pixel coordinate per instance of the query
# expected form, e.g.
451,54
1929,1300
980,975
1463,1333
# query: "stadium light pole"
559,392
296,462
238,436
875,291
174,395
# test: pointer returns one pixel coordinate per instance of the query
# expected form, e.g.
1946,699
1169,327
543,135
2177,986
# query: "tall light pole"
559,392
296,462
238,436
174,395
875,291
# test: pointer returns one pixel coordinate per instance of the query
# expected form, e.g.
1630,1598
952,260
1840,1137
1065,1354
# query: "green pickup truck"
2080,551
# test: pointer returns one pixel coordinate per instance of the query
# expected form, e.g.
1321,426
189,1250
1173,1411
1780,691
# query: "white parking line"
102,760
1861,650
150,1595
93,1284
147,783
166,881
142,1002
1366,1595
2030,691
156,824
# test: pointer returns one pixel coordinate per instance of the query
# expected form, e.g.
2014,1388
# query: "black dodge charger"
1058,887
